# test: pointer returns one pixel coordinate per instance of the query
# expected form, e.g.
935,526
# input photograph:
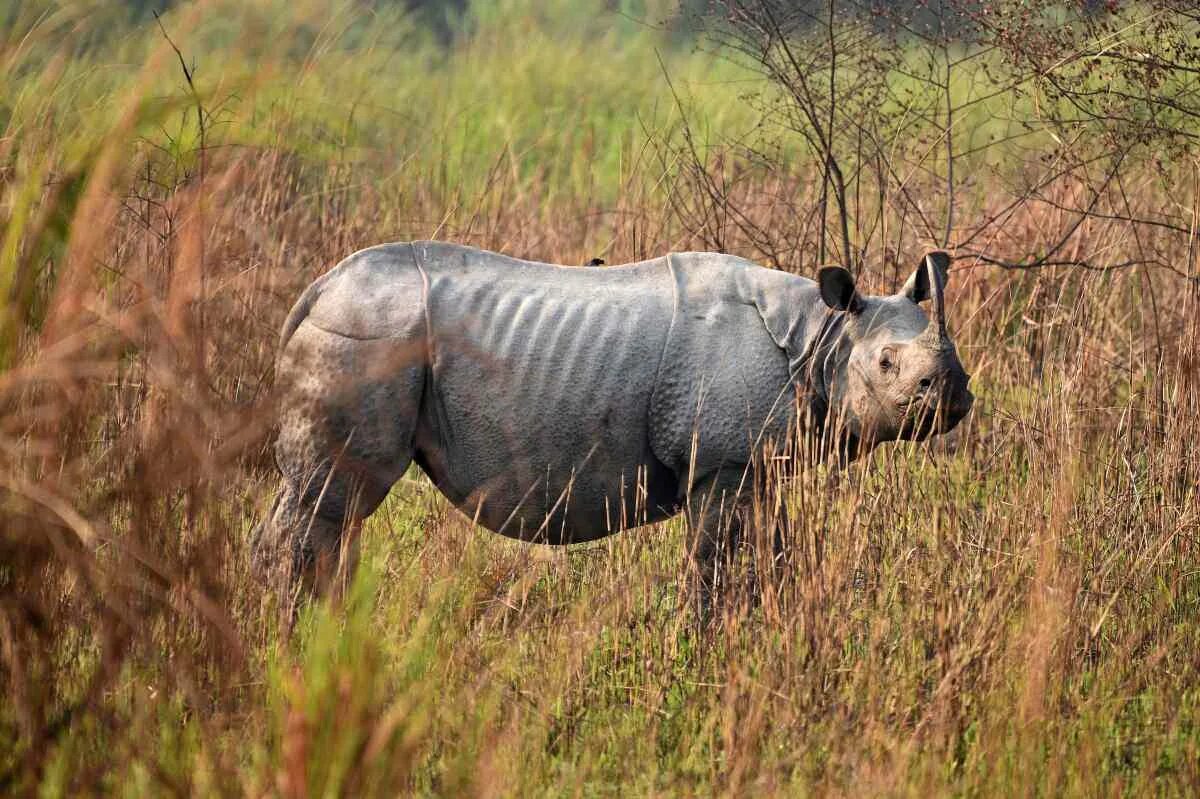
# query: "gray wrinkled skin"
560,405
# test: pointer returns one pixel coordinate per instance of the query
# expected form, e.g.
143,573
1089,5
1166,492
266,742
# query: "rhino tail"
301,310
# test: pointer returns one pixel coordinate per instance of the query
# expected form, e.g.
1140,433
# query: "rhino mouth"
920,419
925,416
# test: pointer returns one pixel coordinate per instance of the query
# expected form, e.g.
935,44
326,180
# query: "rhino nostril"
925,383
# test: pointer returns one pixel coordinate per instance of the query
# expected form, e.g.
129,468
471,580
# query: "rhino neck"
815,364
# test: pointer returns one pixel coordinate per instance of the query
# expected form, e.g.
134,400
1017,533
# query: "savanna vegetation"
1012,610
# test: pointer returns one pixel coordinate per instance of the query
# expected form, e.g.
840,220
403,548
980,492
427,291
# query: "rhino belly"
558,499
535,418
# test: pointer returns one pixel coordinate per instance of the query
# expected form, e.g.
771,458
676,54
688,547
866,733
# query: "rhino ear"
837,289
917,287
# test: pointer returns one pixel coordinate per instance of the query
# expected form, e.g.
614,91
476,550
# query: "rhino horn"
936,266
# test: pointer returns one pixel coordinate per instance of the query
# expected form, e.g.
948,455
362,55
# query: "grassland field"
1013,610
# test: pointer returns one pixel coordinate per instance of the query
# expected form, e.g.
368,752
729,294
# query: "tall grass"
1013,611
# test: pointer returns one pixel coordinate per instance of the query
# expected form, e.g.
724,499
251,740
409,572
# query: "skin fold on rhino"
561,405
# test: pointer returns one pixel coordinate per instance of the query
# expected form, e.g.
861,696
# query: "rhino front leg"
716,507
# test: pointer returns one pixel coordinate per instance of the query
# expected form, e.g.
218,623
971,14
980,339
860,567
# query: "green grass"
564,92
1012,612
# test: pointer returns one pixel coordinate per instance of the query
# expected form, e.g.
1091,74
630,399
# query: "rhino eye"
885,361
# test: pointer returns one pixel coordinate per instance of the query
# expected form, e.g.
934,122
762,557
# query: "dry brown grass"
1013,611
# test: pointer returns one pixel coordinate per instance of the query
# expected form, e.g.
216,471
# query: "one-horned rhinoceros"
559,405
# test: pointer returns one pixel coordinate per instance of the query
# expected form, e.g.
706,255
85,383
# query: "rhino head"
891,371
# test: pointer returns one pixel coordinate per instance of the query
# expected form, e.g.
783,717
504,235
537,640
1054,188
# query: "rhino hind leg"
304,545
346,426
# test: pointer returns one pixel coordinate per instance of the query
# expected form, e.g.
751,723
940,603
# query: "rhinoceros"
562,404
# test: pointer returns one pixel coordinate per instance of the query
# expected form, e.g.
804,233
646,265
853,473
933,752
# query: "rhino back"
536,417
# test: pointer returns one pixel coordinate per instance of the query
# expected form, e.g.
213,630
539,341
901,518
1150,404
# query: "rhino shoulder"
724,380
790,307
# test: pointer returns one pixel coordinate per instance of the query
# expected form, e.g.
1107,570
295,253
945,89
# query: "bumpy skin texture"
549,403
